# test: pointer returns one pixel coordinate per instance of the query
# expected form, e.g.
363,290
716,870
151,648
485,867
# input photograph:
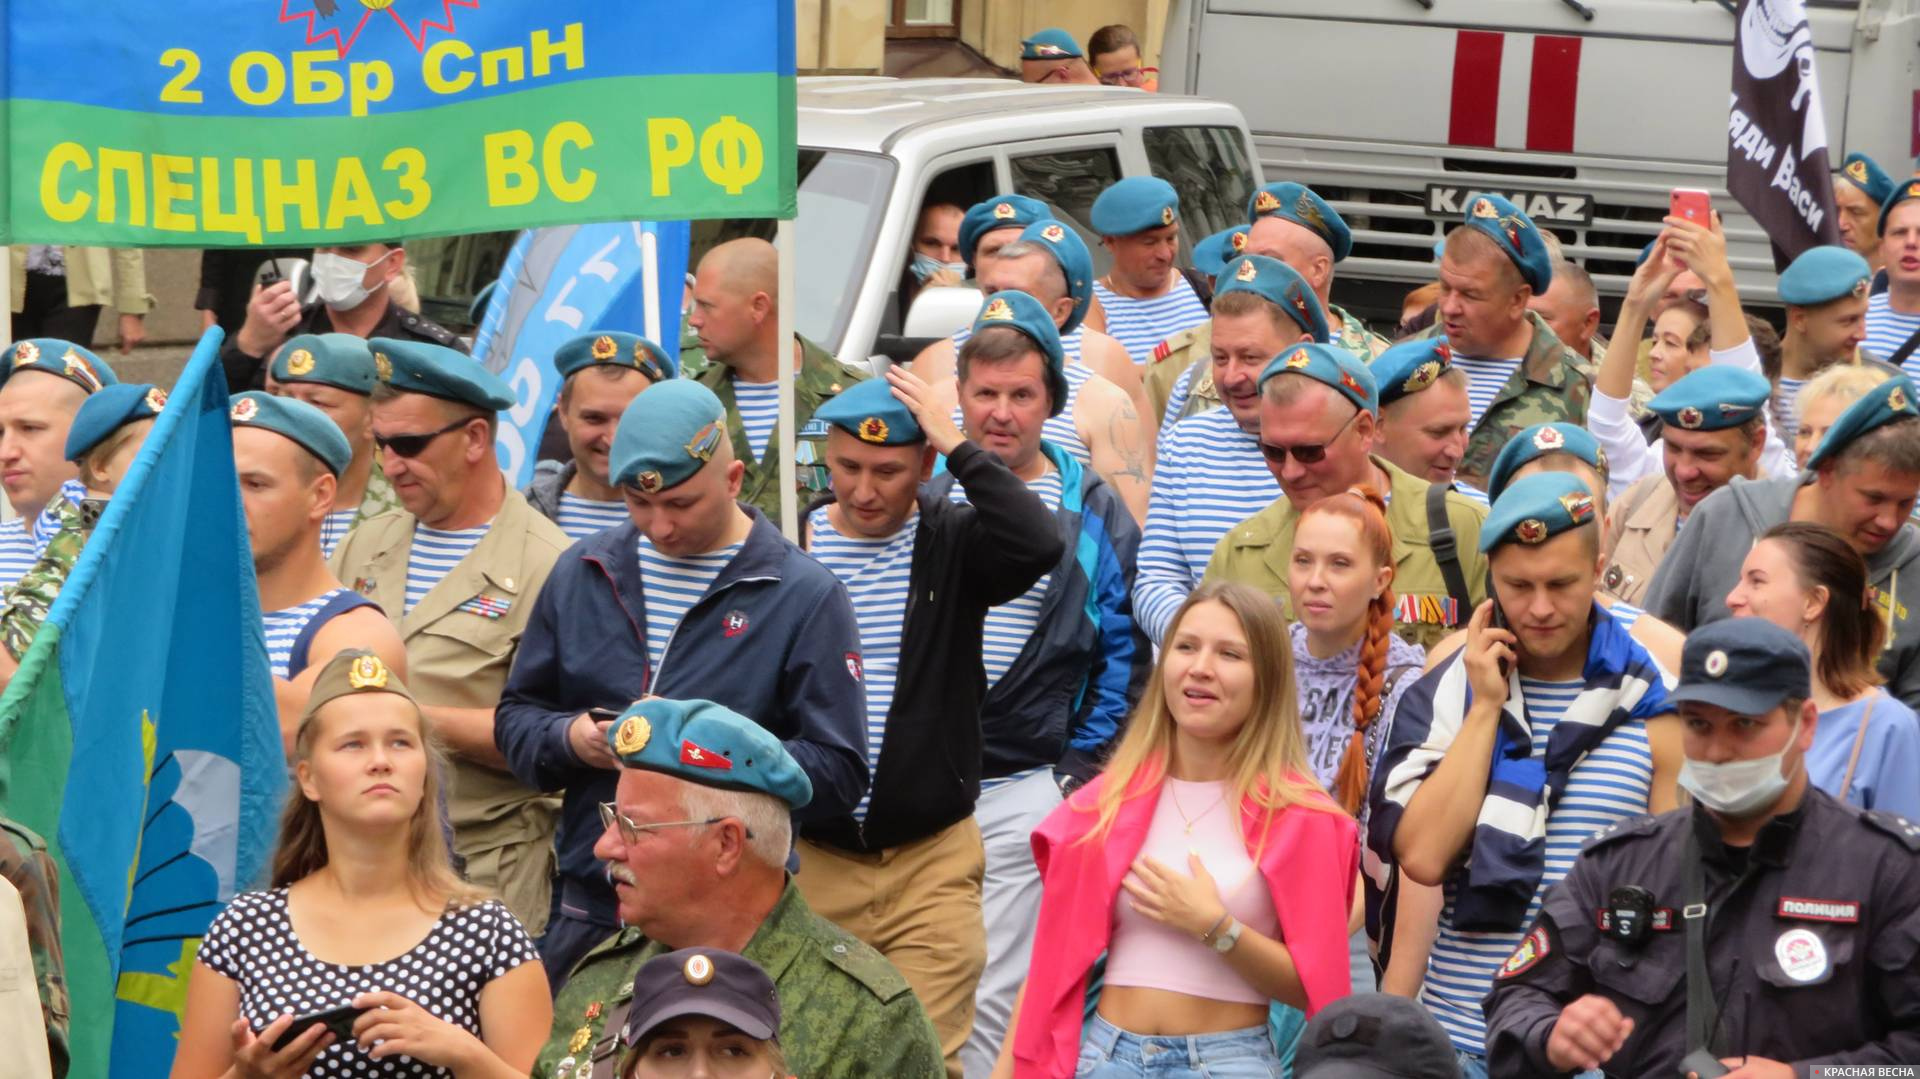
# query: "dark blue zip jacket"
791,669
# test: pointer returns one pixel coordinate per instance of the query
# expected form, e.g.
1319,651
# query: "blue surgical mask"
925,266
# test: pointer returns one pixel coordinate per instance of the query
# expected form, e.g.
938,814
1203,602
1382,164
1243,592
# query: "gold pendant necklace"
1191,821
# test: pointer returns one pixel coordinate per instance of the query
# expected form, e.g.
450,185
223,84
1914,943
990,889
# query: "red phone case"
1695,206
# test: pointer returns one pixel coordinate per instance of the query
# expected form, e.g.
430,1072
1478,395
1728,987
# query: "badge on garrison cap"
1690,418
1264,202
1716,663
698,970
633,735
244,410
300,362
25,353
1247,271
873,429
367,672
997,310
382,367
1549,438
604,349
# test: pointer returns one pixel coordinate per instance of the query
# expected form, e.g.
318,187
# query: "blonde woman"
1824,396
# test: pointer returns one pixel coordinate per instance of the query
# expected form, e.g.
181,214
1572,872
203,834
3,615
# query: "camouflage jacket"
25,863
379,498
1191,352
1550,385
820,378
844,1010
24,606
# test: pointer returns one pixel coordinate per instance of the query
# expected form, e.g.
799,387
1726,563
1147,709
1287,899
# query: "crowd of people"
1173,676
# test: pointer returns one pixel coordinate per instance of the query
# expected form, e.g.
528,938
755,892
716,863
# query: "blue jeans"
1107,1052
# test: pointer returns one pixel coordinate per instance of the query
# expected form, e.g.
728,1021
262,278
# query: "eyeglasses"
415,445
1306,455
1133,76
610,815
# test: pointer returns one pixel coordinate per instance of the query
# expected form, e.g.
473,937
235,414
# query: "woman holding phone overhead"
368,956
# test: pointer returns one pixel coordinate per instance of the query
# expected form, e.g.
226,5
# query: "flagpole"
789,508
6,300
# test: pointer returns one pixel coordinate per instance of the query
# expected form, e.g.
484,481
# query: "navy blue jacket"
791,669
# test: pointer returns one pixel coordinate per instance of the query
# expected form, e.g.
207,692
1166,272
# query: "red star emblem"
361,12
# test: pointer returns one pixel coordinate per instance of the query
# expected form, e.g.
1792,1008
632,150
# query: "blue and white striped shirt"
1140,325
878,574
582,517
1786,417
1474,493
435,553
759,405
1610,783
673,585
1210,477
284,627
1485,378
1888,329
21,547
334,528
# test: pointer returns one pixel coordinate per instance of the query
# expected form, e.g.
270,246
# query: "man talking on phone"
350,281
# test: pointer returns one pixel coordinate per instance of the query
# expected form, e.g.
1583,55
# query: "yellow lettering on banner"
514,59
564,134
433,66
669,146
167,191
730,154
372,82
411,163
243,221
303,194
316,86
128,164
241,76
177,91
352,195
59,159
510,177
572,46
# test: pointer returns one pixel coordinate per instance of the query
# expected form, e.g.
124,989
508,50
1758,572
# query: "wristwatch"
1224,941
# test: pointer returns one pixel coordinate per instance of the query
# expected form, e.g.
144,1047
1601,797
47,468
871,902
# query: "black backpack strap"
1199,285
1446,553
1906,349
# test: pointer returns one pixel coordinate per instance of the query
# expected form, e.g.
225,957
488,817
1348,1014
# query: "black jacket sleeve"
1010,541
823,691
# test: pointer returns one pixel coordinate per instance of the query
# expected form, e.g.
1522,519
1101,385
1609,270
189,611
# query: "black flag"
1776,133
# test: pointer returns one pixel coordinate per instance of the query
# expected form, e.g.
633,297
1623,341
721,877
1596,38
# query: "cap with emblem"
709,982
1534,509
871,413
1902,191
340,360
1375,1036
1135,204
354,671
438,371
1017,310
1050,44
668,432
1409,367
1745,665
1076,264
999,212
1506,225
1866,174
72,362
1538,441
308,427
1279,284
1211,254
1713,398
709,744
1330,365
1889,402
1301,205
616,349
112,408
1825,273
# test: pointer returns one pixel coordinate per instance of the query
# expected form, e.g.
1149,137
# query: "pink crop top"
1145,954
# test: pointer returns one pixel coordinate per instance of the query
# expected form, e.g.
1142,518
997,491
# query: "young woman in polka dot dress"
364,911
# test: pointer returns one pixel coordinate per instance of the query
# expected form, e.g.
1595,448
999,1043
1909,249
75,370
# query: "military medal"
580,1040
593,1011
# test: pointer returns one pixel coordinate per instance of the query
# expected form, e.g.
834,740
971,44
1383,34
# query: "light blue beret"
628,350
1135,204
1537,508
709,744
1017,310
1211,254
999,212
1409,367
1301,205
308,427
871,413
1076,262
109,409
1514,231
1277,283
340,360
1332,366
668,432
1050,44
1884,404
1538,441
438,371
1824,273
1713,398
72,362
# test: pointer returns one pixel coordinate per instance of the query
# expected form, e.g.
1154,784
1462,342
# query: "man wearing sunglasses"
1319,421
458,571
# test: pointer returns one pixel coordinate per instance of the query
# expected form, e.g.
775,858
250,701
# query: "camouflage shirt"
1550,385
24,606
379,498
1190,352
25,863
844,1010
820,378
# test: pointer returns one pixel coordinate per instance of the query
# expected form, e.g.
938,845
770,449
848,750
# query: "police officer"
335,373
1825,290
1768,927
1859,191
704,1010
1145,295
1053,56
600,375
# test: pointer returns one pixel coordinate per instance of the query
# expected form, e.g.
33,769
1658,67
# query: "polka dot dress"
253,943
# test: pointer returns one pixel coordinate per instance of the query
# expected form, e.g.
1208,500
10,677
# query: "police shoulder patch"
1535,946
1895,825
1626,828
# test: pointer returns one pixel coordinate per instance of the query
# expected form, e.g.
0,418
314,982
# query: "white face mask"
1738,788
925,266
340,281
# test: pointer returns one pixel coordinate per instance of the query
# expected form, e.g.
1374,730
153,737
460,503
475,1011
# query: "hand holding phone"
338,1020
1693,204
1703,1065
1488,654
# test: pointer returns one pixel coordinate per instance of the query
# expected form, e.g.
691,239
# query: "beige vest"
23,1034
1639,531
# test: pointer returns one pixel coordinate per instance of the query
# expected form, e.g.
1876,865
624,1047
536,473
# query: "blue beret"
1051,44
341,360
438,371
1211,254
1409,367
1017,310
1866,174
871,413
709,744
1538,441
999,212
669,431
1329,365
1901,193
1713,398
1299,204
1076,262
1279,284
628,350
1135,204
309,428
1505,224
1824,273
72,362
108,410
1645,254
1536,508
1890,401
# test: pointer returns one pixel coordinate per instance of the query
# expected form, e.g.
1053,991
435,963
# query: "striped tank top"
1140,324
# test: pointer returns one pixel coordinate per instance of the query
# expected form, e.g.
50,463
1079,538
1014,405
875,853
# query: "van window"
1208,166
1069,181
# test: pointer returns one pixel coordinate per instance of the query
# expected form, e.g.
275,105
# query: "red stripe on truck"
1555,90
1476,87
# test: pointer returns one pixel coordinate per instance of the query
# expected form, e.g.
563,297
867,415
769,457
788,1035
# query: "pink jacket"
1306,851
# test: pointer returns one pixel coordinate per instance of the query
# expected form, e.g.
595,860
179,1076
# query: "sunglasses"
415,445
1306,455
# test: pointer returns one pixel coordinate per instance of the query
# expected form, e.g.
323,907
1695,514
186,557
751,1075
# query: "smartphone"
1693,204
339,1020
603,713
1703,1064
1500,622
